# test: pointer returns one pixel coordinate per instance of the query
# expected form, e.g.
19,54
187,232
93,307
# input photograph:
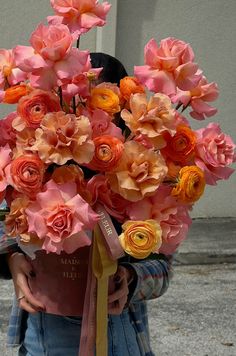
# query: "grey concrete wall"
210,27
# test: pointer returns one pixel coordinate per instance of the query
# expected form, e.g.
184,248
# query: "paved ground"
197,316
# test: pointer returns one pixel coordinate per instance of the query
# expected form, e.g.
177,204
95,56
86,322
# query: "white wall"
208,25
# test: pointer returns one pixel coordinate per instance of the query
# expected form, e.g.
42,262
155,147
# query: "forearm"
152,279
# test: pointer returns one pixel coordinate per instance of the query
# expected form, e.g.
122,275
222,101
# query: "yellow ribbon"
103,267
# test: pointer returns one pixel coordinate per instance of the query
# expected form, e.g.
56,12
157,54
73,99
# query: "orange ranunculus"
16,221
33,107
191,184
130,85
14,93
140,238
180,147
105,99
26,174
139,172
72,173
173,170
62,137
108,151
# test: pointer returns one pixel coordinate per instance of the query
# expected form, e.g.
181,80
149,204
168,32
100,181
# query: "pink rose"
5,159
214,153
9,73
198,99
79,15
101,125
168,66
101,192
8,134
173,217
60,217
51,61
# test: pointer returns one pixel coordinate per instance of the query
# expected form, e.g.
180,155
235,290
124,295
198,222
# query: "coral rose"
26,173
60,217
62,137
114,204
215,151
139,173
180,148
79,15
130,85
140,238
150,117
108,151
33,107
190,186
105,99
13,94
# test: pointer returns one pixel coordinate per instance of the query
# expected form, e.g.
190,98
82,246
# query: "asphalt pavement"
197,315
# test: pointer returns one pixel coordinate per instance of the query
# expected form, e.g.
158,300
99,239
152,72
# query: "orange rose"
191,184
130,85
26,173
16,221
108,151
140,238
105,99
33,107
181,146
14,93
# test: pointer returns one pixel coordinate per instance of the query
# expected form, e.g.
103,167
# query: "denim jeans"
53,335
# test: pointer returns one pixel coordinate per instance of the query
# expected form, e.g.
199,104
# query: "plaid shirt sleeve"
152,278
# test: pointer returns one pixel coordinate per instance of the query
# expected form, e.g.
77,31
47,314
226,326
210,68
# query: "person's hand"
21,271
118,295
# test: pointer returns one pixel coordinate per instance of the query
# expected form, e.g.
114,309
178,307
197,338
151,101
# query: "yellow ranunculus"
105,99
140,238
191,184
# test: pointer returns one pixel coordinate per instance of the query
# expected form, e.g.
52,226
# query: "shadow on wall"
138,15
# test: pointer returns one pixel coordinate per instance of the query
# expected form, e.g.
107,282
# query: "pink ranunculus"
215,152
198,99
168,66
51,61
60,217
173,217
101,192
5,160
79,15
8,134
10,74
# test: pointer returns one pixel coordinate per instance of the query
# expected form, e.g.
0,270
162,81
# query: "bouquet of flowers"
64,160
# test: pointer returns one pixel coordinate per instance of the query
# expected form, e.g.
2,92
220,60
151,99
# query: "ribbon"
110,235
103,267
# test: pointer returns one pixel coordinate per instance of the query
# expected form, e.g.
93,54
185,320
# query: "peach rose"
33,107
191,184
150,117
105,99
130,85
181,146
108,151
140,238
26,173
16,221
62,137
25,139
139,173
13,94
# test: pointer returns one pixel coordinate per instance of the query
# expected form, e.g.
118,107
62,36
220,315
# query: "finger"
117,307
27,268
23,304
123,291
25,290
